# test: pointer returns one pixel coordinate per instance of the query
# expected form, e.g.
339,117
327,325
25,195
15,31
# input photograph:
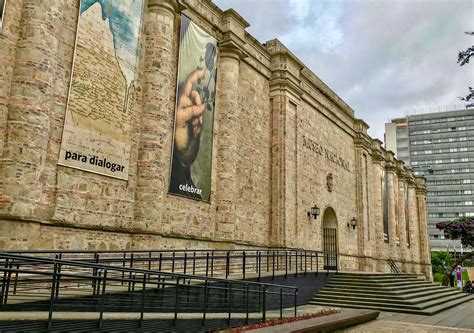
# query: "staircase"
406,293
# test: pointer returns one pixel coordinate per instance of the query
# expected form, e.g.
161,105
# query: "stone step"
379,275
399,291
377,285
426,311
416,302
345,279
349,292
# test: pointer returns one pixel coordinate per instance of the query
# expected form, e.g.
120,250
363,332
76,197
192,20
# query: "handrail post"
268,263
264,305
247,303
160,262
207,264
305,263
102,298
176,302
273,264
229,302
149,261
296,263
259,265
53,295
243,264
130,274
6,280
123,266
205,301
212,263
172,262
317,263
185,261
296,301
281,302
16,279
194,263
227,264
142,306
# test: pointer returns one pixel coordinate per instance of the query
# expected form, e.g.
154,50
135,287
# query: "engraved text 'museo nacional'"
323,151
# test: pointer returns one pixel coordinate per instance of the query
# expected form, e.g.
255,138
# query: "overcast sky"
382,57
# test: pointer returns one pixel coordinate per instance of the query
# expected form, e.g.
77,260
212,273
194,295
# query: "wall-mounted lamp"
352,223
314,212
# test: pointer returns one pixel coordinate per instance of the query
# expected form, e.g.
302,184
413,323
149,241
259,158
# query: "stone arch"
330,239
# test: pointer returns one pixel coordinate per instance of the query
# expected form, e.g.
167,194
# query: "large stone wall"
280,137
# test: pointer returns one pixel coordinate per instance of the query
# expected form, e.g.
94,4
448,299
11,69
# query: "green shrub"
440,261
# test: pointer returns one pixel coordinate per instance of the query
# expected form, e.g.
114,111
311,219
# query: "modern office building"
440,147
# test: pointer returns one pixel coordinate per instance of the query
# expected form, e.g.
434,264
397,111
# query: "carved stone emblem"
329,182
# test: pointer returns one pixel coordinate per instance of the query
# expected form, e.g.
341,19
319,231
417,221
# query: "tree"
440,261
463,58
463,229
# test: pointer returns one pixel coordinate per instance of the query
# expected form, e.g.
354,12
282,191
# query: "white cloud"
381,56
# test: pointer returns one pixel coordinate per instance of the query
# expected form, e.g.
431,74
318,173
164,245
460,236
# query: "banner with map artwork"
102,93
194,113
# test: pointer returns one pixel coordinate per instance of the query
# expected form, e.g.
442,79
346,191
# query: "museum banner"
102,92
190,173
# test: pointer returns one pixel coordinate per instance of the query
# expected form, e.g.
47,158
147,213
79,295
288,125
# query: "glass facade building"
440,147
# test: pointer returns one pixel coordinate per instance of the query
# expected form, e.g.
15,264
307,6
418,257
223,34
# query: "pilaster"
285,96
402,222
376,211
423,226
158,77
231,51
227,114
362,143
30,104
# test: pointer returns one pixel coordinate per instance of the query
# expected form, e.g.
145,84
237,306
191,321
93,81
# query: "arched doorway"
330,238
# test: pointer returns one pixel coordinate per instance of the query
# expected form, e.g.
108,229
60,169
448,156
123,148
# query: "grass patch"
438,277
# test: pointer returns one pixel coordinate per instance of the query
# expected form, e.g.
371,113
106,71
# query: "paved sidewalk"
458,319
388,326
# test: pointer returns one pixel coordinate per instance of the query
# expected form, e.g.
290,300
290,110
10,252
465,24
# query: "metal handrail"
97,279
208,262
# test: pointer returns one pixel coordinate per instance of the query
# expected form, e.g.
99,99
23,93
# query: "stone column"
402,215
227,117
362,149
376,211
424,257
413,215
392,193
30,105
156,127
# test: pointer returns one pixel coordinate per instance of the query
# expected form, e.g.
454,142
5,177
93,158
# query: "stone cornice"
401,170
361,138
232,46
232,14
174,6
410,178
390,161
420,183
377,151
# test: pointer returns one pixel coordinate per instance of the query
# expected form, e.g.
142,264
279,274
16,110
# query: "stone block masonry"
283,142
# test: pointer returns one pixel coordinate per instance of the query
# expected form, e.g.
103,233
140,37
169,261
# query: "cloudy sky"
382,57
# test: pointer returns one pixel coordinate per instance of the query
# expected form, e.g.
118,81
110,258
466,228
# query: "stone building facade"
283,142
